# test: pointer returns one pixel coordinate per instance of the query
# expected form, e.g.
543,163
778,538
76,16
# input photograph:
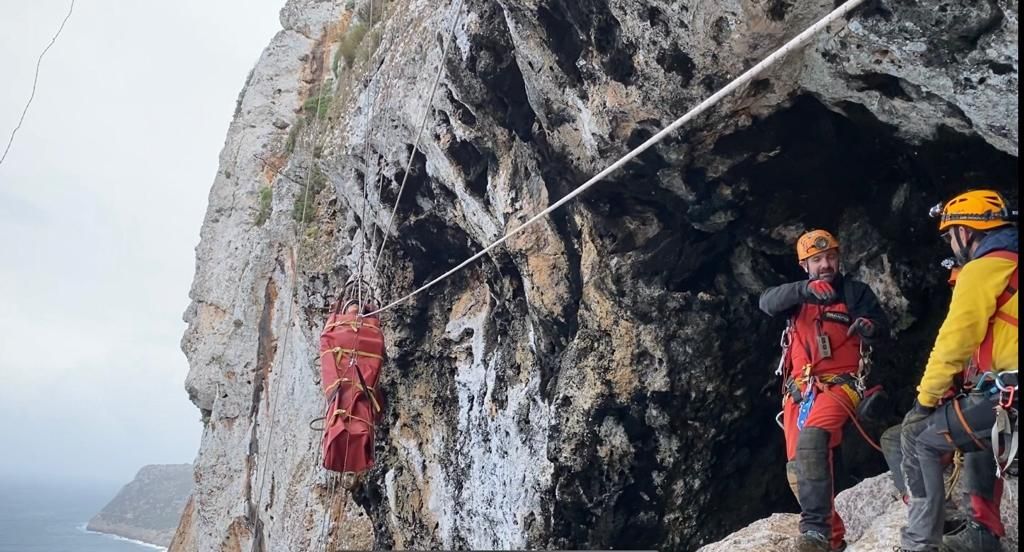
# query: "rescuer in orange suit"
830,316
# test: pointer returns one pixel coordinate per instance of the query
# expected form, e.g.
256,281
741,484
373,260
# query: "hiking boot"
812,541
972,538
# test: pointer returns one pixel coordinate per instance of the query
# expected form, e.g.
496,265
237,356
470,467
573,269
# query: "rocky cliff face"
605,380
149,507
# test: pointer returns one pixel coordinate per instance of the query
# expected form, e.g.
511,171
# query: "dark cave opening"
804,166
826,167
418,181
580,22
495,64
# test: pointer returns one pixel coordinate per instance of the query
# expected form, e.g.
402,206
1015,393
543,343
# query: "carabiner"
1009,393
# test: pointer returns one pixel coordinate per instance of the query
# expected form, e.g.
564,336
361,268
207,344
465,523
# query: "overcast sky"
101,201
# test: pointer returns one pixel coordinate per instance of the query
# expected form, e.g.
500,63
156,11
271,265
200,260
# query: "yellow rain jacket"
973,306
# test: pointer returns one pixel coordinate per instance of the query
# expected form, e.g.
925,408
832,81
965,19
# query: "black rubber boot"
814,472
972,538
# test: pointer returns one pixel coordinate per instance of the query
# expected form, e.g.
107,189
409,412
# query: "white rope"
366,167
35,82
796,43
419,133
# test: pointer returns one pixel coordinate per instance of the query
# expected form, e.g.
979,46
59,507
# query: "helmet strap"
964,255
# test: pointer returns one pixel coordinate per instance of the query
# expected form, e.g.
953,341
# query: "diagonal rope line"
35,82
419,133
370,237
796,42
366,169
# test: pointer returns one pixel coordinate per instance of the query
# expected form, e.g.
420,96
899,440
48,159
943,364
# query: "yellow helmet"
976,209
814,242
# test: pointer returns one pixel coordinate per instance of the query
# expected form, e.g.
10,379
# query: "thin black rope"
419,133
35,82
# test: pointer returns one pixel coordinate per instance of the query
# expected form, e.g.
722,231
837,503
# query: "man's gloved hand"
915,418
820,290
862,326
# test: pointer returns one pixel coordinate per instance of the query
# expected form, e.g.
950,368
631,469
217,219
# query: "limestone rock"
873,512
602,380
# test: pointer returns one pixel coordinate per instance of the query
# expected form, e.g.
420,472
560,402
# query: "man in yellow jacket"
980,331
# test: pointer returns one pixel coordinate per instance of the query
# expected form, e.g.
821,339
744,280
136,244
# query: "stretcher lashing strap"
367,390
340,352
355,325
342,413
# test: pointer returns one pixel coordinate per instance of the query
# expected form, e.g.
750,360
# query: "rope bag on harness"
1004,438
351,357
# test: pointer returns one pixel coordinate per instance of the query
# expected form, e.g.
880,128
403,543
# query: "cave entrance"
809,166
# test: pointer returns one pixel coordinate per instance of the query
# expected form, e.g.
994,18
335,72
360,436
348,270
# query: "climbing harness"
806,389
1006,429
982,359
1004,437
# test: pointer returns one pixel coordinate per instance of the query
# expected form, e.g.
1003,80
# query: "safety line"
795,43
321,541
35,82
262,477
366,165
419,133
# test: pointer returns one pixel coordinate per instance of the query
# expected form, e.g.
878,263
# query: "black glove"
821,291
863,326
917,414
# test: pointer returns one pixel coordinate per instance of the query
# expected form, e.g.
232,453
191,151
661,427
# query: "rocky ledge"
873,512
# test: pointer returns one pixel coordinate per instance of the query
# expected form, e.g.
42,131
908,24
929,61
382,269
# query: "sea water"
51,517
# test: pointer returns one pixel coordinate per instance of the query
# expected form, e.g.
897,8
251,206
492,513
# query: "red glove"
822,291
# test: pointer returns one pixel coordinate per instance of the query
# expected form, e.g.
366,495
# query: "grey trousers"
923,446
982,489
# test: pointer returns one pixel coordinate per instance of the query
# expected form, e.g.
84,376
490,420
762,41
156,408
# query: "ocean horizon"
49,516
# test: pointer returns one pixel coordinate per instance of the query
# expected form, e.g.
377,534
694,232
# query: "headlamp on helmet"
977,209
814,242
